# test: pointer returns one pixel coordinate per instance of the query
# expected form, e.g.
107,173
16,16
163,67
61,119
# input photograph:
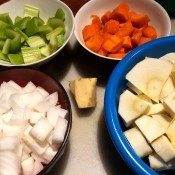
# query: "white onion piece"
27,166
30,87
9,163
37,167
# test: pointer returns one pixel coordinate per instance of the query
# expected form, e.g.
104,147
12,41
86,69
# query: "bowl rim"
112,117
46,59
61,149
88,3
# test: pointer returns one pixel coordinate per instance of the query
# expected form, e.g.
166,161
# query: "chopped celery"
24,37
31,11
31,54
30,38
15,58
3,57
22,24
15,37
57,31
45,51
55,22
6,47
61,40
36,41
60,14
33,26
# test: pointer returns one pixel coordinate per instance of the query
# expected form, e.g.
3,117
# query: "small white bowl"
157,14
47,9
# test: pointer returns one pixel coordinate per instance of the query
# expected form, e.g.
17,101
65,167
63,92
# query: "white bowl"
157,14
47,9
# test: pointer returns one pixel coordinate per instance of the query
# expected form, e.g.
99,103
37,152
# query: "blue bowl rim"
111,117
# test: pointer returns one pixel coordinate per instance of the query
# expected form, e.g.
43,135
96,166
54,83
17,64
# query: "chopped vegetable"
126,30
30,38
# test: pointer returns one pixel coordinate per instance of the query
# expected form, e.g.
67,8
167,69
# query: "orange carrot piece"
116,55
136,38
111,26
144,40
150,32
96,20
120,13
102,52
127,42
105,17
106,36
137,30
139,20
94,43
113,44
90,30
126,29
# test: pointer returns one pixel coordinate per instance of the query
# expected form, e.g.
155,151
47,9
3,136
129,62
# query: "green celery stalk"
6,47
3,57
15,58
36,41
1,44
55,22
15,37
6,18
31,54
31,11
45,50
53,43
33,26
24,37
61,40
45,29
57,31
60,14
22,24
3,27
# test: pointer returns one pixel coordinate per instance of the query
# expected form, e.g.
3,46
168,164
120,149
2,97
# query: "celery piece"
3,57
45,29
61,40
15,58
6,18
36,41
45,50
15,37
60,14
6,47
31,54
17,19
31,11
53,43
55,22
22,24
3,27
57,31
24,37
33,26
1,44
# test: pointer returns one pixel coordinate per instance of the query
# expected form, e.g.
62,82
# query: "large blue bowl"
115,86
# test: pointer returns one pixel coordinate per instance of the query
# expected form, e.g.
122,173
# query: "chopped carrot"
94,43
120,13
127,42
150,32
90,30
102,51
111,26
136,38
113,44
106,16
139,20
118,31
126,29
116,55
96,20
144,40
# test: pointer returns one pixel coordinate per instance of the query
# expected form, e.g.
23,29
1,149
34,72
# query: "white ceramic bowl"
47,9
157,14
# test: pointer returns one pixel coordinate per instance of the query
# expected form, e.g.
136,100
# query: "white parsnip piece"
155,109
164,148
27,166
131,109
84,91
138,142
150,127
170,132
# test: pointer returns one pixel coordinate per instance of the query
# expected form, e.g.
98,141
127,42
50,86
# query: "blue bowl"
115,86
